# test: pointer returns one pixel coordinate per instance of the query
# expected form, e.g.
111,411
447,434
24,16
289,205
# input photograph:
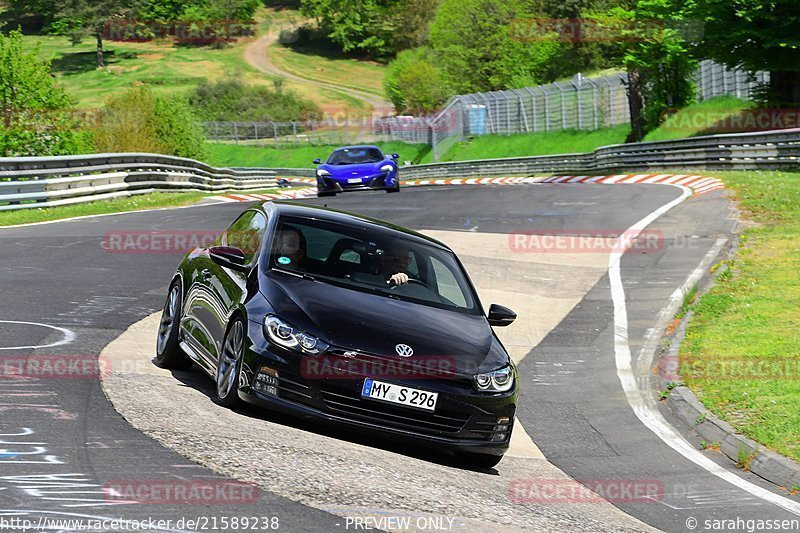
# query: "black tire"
168,351
394,189
479,460
229,365
324,194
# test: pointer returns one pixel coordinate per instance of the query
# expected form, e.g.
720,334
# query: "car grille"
388,415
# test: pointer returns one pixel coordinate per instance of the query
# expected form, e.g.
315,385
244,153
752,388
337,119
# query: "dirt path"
257,55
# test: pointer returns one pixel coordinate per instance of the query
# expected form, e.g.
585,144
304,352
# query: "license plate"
354,180
399,394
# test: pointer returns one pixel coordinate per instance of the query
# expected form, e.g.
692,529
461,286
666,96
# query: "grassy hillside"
552,142
699,118
162,65
321,61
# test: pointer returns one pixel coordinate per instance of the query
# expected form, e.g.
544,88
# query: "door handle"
206,273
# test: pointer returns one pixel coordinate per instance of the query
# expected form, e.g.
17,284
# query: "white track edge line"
643,405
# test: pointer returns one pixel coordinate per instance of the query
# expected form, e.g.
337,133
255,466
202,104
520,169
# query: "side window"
446,283
246,233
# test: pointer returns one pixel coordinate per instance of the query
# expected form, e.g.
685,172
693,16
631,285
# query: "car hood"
344,171
374,324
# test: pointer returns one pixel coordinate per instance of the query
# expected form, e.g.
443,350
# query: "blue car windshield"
365,258
355,156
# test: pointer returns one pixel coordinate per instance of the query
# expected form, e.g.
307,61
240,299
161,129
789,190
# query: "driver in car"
394,264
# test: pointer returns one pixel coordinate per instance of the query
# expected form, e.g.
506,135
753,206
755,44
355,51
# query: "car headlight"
496,381
283,334
322,172
387,168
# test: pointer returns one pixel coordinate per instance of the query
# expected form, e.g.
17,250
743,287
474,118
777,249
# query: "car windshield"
363,258
355,156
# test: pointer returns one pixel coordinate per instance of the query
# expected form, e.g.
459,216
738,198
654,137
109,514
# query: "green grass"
163,66
684,124
751,315
315,61
699,118
166,68
322,61
545,143
117,205
237,155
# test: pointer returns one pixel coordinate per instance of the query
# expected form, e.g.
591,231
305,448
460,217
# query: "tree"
79,19
410,20
477,51
656,56
413,83
26,86
355,26
754,35
36,111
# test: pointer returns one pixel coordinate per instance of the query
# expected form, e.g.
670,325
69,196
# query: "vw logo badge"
404,350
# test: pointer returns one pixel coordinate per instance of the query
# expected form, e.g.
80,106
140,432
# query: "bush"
18,142
413,83
139,120
232,100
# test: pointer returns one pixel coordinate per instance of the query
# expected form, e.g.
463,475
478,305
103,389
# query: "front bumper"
379,182
464,420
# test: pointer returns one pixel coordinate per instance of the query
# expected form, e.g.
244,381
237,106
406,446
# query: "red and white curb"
698,184
306,192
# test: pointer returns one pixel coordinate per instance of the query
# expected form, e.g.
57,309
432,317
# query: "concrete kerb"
745,452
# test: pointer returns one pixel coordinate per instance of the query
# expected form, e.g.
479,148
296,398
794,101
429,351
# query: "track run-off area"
586,342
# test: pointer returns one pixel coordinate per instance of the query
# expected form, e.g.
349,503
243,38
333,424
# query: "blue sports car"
357,168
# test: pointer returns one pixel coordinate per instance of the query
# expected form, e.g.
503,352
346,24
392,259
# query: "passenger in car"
290,248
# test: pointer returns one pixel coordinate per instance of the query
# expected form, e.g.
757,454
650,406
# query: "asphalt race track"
66,296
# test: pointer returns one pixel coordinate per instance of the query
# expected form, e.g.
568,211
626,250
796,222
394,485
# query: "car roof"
335,215
359,147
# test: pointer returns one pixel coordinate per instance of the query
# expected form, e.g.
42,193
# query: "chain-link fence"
581,103
358,130
713,79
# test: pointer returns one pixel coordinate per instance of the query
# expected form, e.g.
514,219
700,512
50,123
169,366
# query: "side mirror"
500,316
395,156
316,161
228,257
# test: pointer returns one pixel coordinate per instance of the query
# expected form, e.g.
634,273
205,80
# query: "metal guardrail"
31,182
34,182
779,149
738,151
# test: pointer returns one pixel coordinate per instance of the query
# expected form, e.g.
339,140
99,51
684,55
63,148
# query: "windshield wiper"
296,274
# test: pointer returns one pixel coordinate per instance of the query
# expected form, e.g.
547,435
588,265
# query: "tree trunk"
100,63
636,106
784,88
